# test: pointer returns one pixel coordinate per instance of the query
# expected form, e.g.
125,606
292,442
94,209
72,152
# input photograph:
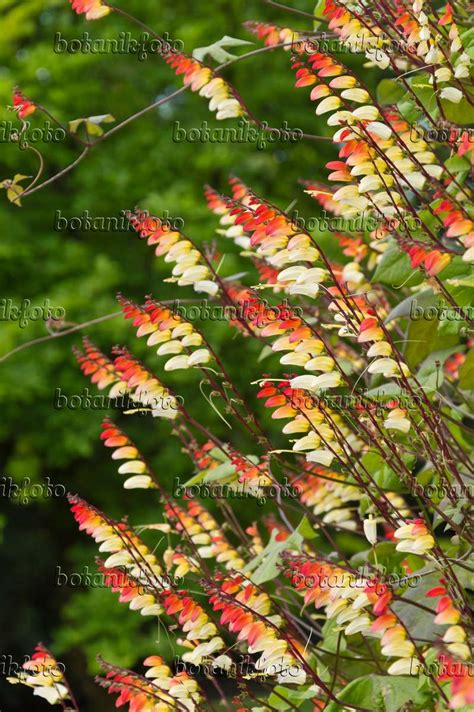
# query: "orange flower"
273,34
414,537
191,268
433,260
127,552
95,364
126,450
447,16
143,386
201,633
244,609
158,691
197,524
175,336
93,9
24,107
44,675
201,78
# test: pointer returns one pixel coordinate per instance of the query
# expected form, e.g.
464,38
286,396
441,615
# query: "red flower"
23,106
93,9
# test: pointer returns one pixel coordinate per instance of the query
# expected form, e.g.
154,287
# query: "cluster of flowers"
343,329
190,268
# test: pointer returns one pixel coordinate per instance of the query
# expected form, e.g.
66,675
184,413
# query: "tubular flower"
458,225
455,641
454,362
371,331
273,34
328,498
23,106
200,631
204,533
247,611
137,593
394,639
454,637
327,494
397,419
93,9
465,146
372,162
203,457
301,346
414,537
460,677
191,267
203,79
143,386
220,207
319,442
352,247
268,275
357,31
257,542
280,243
128,376
249,310
421,30
158,691
95,364
45,677
126,551
181,562
174,336
253,474
124,449
329,586
433,261
462,689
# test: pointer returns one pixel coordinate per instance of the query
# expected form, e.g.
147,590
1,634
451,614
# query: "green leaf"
294,697
409,110
226,471
379,693
423,338
456,164
330,632
382,474
92,124
217,51
306,529
466,373
435,360
266,563
460,114
217,454
418,621
389,92
395,269
13,188
425,298
318,12
456,268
